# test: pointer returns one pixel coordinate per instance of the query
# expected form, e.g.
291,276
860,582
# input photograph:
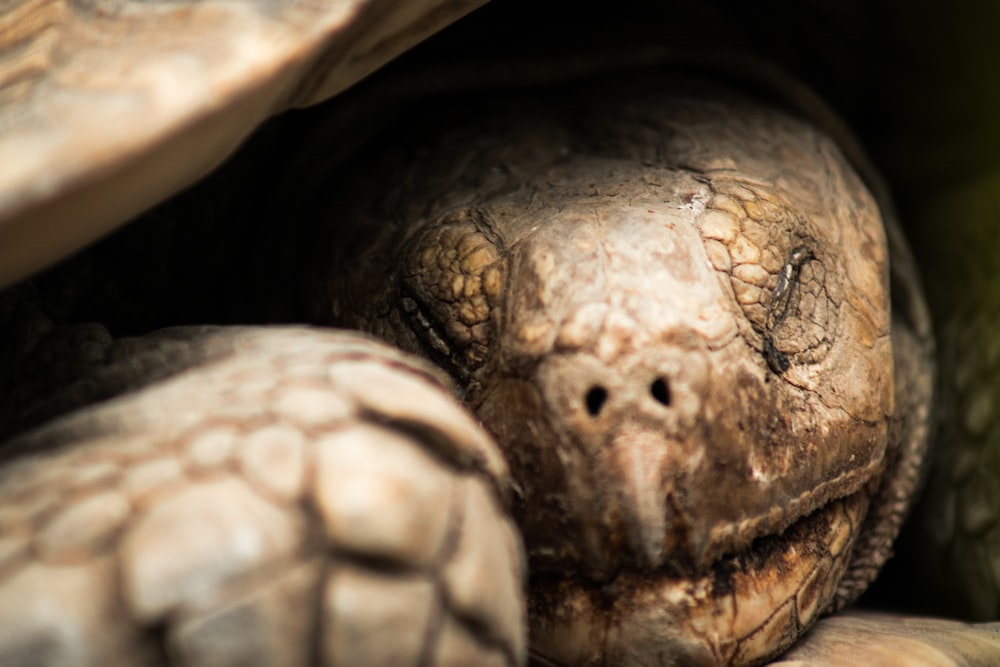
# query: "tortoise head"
671,309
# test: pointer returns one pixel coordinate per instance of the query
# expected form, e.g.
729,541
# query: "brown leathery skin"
692,349
840,50
736,614
282,503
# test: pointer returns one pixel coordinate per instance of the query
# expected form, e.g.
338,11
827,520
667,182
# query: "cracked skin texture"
646,305
972,487
574,267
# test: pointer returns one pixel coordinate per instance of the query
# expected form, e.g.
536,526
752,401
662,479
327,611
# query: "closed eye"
781,297
433,341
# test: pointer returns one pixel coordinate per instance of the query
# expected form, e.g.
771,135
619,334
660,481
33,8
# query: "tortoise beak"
639,465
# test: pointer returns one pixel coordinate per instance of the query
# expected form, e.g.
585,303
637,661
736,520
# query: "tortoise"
209,483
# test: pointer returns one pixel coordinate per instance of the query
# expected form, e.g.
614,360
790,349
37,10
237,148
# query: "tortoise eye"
776,260
777,311
432,337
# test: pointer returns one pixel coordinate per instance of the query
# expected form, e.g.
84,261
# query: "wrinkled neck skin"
669,304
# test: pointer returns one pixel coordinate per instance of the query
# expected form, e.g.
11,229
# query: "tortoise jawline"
746,608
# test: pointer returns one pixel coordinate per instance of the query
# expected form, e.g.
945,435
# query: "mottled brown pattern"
671,307
262,509
680,313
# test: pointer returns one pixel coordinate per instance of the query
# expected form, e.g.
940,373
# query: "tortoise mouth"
746,607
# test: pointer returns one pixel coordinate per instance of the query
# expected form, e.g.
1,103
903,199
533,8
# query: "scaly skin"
743,358
471,318
282,501
650,290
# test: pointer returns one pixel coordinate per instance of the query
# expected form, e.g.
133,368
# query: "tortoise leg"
859,638
297,497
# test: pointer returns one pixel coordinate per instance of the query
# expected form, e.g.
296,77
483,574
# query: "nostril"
595,399
660,391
